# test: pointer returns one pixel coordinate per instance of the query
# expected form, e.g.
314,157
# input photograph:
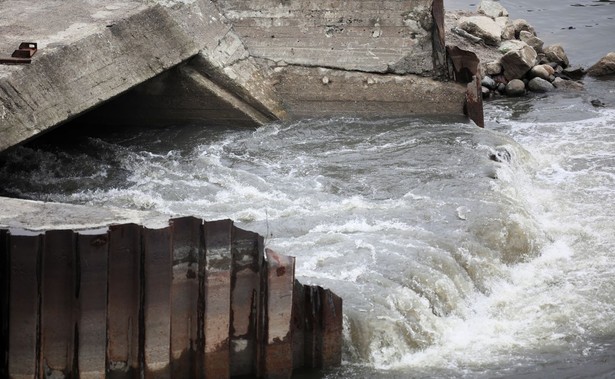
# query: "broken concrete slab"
233,54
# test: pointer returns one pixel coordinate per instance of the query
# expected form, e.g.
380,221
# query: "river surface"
458,251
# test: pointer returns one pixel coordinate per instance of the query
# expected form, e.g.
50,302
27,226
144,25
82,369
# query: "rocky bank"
514,60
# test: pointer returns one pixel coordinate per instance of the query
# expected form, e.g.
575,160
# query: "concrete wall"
245,61
386,36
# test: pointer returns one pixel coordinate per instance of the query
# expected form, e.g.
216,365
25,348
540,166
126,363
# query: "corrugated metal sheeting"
193,300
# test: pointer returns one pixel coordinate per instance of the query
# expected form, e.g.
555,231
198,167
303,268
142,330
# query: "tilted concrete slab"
245,63
89,53
85,58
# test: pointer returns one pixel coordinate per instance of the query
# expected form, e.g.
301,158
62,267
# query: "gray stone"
540,85
488,82
568,85
507,46
508,29
522,25
493,68
502,88
549,69
605,66
556,54
540,71
486,92
535,42
483,27
517,63
515,87
492,9
575,73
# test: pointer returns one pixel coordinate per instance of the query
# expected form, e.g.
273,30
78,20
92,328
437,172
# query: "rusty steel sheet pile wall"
192,300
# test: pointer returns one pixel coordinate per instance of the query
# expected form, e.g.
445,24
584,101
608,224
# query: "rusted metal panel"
157,302
4,303
92,295
57,301
245,300
323,328
464,69
124,300
22,55
474,102
192,300
331,328
217,298
278,354
24,305
298,325
188,259
312,358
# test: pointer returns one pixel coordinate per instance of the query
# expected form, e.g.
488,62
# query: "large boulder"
483,27
493,68
540,85
605,66
542,71
515,87
556,54
535,42
513,44
522,25
508,29
516,63
568,85
492,9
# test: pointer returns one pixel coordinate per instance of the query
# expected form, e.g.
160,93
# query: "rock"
515,87
483,27
489,83
562,84
514,44
535,42
486,92
575,73
540,85
522,25
549,69
502,88
541,72
492,9
605,66
556,54
493,68
516,63
597,103
508,29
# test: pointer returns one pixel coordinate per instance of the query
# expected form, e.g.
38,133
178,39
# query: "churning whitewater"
457,250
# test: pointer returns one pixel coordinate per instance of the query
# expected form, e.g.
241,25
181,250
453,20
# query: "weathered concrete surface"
89,53
237,60
372,36
322,92
38,215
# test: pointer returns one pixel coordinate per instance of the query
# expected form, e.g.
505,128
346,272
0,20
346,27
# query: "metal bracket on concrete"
22,55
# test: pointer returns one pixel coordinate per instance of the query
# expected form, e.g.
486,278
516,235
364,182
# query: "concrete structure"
193,299
225,61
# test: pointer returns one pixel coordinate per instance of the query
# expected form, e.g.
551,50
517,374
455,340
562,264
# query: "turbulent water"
458,251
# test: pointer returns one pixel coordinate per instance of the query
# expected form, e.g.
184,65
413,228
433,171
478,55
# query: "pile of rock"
523,63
